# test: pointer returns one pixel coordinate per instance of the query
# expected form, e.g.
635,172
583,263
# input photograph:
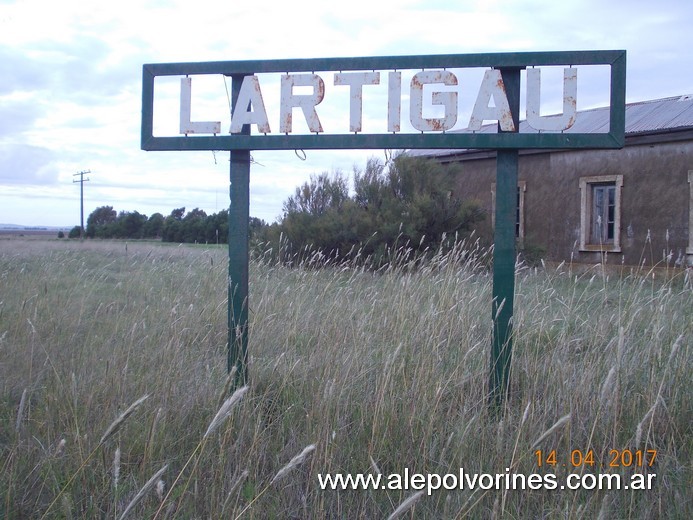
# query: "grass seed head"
560,422
160,486
140,494
20,411
525,415
406,505
115,425
295,462
225,410
607,386
116,467
647,417
59,449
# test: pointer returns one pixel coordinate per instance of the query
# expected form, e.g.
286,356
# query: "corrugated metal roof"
643,117
662,114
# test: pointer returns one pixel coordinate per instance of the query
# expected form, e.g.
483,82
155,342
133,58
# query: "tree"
217,227
424,201
370,185
74,232
193,228
411,200
172,230
317,196
99,218
154,226
130,224
256,227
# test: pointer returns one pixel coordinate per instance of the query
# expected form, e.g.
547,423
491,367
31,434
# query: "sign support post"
504,251
239,257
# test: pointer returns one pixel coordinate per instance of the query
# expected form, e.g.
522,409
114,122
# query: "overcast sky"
71,72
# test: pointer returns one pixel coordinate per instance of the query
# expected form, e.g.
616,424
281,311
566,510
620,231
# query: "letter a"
249,96
492,86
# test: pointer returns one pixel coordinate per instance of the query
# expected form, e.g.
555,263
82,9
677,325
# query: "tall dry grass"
368,371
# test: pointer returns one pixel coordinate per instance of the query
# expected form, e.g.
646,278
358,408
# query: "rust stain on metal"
394,101
320,90
554,123
436,125
446,99
572,103
313,120
286,124
506,120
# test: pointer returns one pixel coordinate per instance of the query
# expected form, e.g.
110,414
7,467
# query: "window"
519,211
603,213
600,213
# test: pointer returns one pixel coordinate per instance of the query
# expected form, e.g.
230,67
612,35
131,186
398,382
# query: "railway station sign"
431,96
301,94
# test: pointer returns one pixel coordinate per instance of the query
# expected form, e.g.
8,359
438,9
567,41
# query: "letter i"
394,101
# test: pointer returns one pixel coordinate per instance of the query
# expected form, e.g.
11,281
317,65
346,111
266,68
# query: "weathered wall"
655,198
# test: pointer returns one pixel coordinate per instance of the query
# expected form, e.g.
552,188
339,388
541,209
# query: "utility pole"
81,181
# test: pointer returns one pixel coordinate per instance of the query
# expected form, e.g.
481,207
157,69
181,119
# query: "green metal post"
504,252
239,214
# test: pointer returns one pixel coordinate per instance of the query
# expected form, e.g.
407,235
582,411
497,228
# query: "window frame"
587,185
520,212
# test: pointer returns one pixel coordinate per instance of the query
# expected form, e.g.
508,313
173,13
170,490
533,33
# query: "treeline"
192,227
407,202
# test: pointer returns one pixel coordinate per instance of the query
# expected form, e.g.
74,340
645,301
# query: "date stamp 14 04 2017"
625,458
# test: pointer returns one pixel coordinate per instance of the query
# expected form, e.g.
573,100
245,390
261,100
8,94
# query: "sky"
71,81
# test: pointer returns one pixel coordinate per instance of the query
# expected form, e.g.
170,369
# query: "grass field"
373,372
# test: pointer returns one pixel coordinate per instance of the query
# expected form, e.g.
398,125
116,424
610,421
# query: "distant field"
30,232
378,371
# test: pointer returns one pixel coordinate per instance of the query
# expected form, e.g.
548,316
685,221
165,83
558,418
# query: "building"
632,206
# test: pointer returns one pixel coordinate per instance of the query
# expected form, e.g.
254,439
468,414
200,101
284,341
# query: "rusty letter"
356,81
446,99
492,86
553,123
250,108
306,102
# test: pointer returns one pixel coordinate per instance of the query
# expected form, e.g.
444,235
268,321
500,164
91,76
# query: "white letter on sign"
557,123
187,126
446,99
249,96
307,102
394,101
492,85
356,81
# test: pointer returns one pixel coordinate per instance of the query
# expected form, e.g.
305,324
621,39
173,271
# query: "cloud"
85,69
23,164
19,72
17,114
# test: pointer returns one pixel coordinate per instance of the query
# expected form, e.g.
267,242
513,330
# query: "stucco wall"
655,197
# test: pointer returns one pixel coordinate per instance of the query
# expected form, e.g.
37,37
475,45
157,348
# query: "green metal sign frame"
507,145
613,139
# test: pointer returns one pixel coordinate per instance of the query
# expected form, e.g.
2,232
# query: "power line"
81,181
